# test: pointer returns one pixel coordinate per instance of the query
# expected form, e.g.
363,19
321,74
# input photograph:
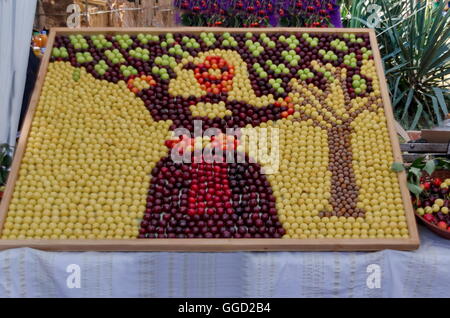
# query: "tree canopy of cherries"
272,60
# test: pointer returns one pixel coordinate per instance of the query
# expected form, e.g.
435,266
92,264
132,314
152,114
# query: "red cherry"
442,225
429,217
201,211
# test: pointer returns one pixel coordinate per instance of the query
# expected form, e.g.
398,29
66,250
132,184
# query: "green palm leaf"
414,40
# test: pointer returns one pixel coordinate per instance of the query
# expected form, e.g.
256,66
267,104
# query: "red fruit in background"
418,203
425,185
429,217
437,182
442,225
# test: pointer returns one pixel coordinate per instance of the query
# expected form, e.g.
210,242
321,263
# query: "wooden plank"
26,127
410,217
212,244
425,147
431,135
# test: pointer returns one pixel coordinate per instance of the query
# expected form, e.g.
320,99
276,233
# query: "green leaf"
418,163
430,166
400,97
414,188
441,100
417,115
436,109
395,68
415,172
408,102
186,19
394,94
442,59
390,55
284,21
397,167
442,164
362,22
6,161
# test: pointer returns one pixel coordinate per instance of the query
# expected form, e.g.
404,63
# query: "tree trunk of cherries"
344,191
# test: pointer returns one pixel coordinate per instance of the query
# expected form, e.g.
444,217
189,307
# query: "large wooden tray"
218,245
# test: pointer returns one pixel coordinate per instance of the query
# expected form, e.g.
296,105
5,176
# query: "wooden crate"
413,151
213,244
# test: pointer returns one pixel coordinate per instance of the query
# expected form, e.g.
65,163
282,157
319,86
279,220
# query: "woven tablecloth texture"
26,272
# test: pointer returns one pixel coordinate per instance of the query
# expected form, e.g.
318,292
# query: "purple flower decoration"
259,13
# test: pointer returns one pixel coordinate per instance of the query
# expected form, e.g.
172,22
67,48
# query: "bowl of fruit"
433,204
429,184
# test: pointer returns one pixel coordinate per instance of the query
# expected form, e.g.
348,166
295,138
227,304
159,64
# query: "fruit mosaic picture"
98,162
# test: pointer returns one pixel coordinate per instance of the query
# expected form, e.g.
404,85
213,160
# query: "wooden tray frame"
217,245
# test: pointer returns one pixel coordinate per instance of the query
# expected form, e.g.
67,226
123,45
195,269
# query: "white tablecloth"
26,272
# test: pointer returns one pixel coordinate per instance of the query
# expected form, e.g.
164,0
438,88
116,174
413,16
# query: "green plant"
5,162
354,13
416,170
419,59
414,38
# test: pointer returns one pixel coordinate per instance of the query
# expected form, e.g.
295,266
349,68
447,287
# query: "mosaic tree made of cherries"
233,81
